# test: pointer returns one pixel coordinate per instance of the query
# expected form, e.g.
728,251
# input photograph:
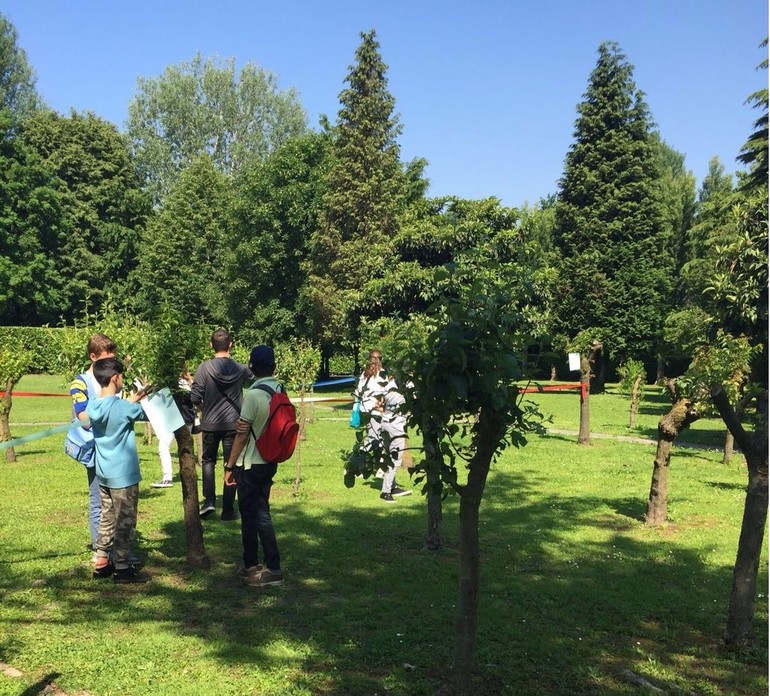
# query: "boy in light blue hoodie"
117,468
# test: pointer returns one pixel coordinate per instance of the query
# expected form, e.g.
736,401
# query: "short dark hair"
106,368
221,340
101,343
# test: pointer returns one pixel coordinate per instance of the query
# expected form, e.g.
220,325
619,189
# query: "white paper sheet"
162,411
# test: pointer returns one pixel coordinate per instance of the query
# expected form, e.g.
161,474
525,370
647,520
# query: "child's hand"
143,391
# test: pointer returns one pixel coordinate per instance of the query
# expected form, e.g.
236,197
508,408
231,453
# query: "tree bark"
729,448
584,434
5,422
669,427
740,612
634,408
466,617
433,538
196,550
599,362
298,450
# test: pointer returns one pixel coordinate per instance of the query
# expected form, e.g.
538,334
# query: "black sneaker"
397,492
229,516
387,497
129,575
103,571
207,509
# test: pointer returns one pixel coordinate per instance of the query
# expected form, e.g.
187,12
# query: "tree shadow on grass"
570,598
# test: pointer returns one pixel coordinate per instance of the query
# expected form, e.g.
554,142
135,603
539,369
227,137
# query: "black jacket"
218,388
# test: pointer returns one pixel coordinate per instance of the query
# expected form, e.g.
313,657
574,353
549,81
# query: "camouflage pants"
118,523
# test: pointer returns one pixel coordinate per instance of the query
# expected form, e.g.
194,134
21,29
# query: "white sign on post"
574,362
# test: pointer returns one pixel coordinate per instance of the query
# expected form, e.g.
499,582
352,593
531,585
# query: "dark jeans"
256,524
211,442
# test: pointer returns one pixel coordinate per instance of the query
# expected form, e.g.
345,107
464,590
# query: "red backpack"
279,437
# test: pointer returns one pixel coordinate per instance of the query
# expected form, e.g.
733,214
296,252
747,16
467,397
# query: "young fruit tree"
159,360
458,366
297,363
725,361
15,361
632,375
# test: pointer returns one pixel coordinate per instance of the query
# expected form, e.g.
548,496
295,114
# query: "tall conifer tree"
362,200
616,262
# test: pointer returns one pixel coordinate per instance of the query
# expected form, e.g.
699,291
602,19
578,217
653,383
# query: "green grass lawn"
575,590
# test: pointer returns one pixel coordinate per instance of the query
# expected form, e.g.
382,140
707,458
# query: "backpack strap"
269,390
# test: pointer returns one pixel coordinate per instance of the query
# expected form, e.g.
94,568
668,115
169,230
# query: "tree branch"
726,411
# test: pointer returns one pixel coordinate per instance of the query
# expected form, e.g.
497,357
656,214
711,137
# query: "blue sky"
486,90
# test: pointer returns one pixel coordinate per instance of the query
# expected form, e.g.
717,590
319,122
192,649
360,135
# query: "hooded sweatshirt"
112,423
218,389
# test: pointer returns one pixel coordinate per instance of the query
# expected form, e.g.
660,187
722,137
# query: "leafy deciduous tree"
459,364
201,107
104,204
275,211
184,246
33,230
18,93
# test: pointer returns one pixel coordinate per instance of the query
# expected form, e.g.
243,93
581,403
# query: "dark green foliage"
33,229
17,78
364,195
184,246
616,249
275,211
754,151
104,205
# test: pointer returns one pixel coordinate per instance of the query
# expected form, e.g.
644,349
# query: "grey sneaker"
397,492
244,572
264,577
164,483
387,497
207,509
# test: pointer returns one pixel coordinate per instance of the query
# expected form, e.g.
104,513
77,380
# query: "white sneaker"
165,483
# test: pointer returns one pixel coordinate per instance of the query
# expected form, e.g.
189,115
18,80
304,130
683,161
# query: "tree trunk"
660,373
584,435
5,420
196,550
634,408
597,359
433,538
298,451
729,448
466,616
669,426
740,612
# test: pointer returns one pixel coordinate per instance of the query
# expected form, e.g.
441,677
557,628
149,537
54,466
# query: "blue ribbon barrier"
37,436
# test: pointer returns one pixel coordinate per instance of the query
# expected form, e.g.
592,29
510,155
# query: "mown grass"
575,589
